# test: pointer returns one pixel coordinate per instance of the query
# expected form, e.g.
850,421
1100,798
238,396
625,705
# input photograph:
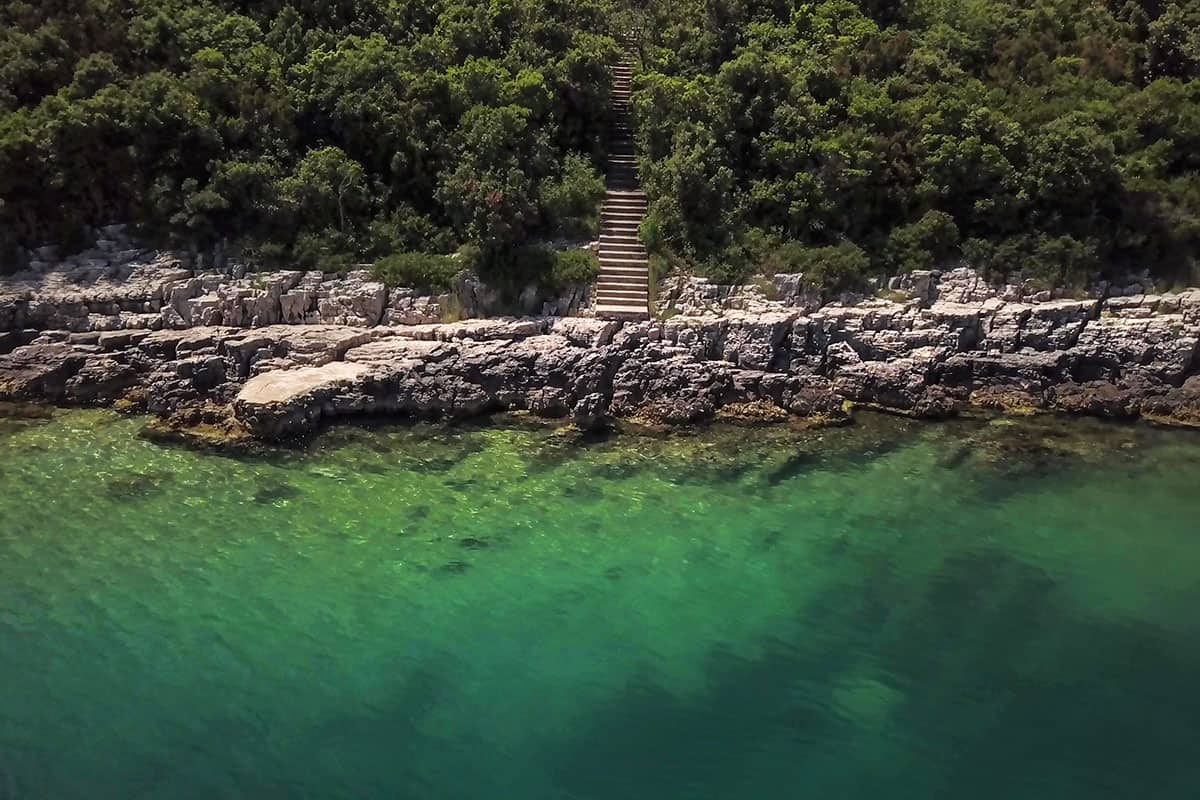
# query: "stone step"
631,272
624,301
609,262
630,300
630,257
623,313
627,200
623,282
622,295
626,278
626,249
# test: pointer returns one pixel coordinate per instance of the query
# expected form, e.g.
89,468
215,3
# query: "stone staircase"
623,288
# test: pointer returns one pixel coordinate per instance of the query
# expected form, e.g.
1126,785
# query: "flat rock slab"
288,386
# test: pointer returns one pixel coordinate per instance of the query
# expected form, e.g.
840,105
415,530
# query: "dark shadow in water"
796,465
997,688
274,491
137,485
471,543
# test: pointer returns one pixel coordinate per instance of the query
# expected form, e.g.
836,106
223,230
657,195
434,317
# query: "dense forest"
1056,137
301,131
1060,138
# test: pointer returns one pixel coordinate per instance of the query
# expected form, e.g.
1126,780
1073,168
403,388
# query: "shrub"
922,244
418,270
1046,261
327,250
838,268
572,267
542,266
572,201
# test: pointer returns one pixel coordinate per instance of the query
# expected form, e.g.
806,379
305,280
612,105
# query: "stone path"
622,290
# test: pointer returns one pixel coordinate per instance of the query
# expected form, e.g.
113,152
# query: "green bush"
421,270
542,266
839,268
1046,261
327,250
572,201
923,244
572,267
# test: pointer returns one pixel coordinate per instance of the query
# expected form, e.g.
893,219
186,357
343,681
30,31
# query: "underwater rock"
471,543
271,493
128,487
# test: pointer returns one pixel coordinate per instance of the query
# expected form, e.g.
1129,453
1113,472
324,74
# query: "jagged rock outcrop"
119,286
296,348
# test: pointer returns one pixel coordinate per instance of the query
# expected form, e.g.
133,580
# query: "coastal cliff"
274,354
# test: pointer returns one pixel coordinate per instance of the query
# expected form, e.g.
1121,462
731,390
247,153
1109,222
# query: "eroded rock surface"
280,352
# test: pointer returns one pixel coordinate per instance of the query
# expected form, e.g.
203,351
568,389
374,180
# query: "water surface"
900,610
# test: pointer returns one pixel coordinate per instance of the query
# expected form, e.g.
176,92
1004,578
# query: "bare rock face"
664,385
276,404
585,331
354,300
478,329
287,349
39,371
1175,406
415,307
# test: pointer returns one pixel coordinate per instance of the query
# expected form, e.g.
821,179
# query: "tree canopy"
1058,137
298,130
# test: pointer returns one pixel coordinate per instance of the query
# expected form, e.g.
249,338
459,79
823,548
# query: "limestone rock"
39,371
280,403
353,300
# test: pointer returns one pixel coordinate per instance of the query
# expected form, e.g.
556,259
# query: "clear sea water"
1005,609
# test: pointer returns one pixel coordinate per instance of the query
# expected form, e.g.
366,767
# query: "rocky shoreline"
271,356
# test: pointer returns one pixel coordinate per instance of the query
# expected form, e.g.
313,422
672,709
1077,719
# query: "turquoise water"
899,610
